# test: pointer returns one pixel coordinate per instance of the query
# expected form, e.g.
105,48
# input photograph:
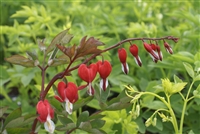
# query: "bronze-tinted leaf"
20,60
69,51
88,46
63,59
61,38
32,55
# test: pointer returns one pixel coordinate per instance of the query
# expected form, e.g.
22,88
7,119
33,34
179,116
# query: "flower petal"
125,68
87,73
122,55
151,51
68,106
61,89
58,98
42,110
49,125
138,61
90,90
104,69
168,48
71,92
104,84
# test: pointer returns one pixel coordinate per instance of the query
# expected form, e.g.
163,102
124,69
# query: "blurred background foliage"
23,22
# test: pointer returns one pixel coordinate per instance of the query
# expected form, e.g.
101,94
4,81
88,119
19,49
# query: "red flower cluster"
152,49
68,92
88,73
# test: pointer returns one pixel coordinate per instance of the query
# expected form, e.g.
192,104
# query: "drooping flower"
159,53
104,69
156,49
68,93
46,113
88,73
168,48
151,52
122,57
134,51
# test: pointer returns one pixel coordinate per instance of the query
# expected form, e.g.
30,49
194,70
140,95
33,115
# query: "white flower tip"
138,61
49,125
103,84
68,106
90,90
125,68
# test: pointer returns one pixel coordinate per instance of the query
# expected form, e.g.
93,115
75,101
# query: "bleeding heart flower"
168,48
88,73
68,93
134,51
151,52
159,53
104,69
46,113
156,49
122,57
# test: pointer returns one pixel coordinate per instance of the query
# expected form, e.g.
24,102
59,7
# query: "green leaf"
159,125
33,55
81,102
15,122
155,105
197,65
4,93
3,73
67,127
61,38
141,125
177,87
184,56
97,123
29,119
3,110
197,78
82,117
64,120
177,79
94,104
97,131
14,115
104,95
189,69
86,126
118,106
26,79
61,60
56,104
196,92
53,54
18,130
20,60
96,116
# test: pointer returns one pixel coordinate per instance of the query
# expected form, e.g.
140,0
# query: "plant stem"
34,126
174,122
184,108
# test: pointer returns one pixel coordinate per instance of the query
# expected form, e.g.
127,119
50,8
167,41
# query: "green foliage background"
23,22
